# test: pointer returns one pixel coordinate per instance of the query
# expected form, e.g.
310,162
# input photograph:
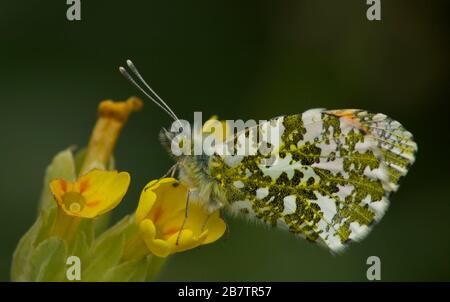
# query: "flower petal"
91,195
186,240
59,187
158,247
216,227
103,190
162,199
161,213
146,201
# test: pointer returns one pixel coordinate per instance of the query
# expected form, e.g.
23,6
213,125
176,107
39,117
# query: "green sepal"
48,261
20,268
130,271
107,250
61,167
106,262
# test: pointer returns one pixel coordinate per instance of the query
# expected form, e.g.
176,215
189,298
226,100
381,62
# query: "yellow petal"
91,195
146,201
160,216
172,197
103,190
186,240
158,247
216,227
59,187
163,198
197,218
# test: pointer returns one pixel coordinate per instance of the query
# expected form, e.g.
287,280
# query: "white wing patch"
290,205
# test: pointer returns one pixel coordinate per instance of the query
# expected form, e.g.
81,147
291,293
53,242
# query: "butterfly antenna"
125,73
141,78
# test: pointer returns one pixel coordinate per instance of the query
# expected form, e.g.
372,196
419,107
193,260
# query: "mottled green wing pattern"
328,179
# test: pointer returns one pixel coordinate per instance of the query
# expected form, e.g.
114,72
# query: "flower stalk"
135,249
65,226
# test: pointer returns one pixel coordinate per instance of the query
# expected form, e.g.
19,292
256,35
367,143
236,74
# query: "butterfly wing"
326,176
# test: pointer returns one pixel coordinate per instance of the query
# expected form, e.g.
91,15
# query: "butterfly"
327,178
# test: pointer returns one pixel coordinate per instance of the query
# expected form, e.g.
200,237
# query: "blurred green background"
238,59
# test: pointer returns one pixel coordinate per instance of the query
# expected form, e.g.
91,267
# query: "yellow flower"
93,194
160,216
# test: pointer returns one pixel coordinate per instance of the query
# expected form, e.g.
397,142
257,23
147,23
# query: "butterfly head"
176,141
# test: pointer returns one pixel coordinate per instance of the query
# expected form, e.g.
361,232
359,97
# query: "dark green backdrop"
238,59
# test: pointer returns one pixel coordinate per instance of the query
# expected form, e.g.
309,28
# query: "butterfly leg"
185,216
170,172
174,170
206,221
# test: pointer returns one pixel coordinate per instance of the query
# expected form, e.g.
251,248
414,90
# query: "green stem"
65,226
156,264
135,249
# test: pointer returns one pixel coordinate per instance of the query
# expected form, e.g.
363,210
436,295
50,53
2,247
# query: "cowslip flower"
93,194
160,215
67,227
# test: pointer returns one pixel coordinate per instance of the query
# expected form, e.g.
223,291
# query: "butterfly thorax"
198,172
195,171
